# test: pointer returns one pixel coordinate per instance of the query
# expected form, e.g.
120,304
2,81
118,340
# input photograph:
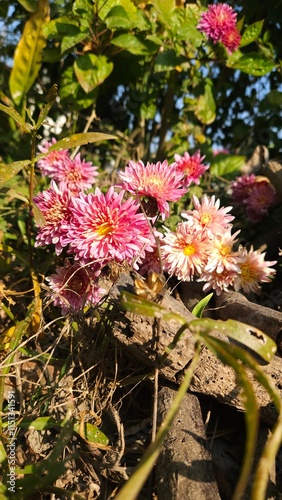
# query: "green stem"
31,194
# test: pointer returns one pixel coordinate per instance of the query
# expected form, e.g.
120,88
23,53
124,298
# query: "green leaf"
92,70
224,164
72,94
200,307
249,336
83,9
107,6
28,54
251,33
138,305
135,45
76,140
205,109
90,433
9,110
118,18
77,35
274,98
10,170
189,33
51,97
165,10
167,61
29,5
253,64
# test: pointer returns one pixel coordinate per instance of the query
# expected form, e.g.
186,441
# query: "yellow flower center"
104,229
247,274
225,250
206,219
189,250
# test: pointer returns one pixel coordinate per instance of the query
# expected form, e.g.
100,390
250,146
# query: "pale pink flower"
159,182
231,39
77,174
150,262
221,256
102,227
54,205
253,270
53,161
191,166
184,253
74,287
208,217
219,282
217,20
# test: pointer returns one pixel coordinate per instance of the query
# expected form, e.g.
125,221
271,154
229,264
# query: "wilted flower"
253,270
73,287
77,174
191,166
208,217
159,182
102,227
184,253
54,205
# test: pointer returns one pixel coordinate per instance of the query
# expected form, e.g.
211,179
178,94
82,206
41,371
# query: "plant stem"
31,192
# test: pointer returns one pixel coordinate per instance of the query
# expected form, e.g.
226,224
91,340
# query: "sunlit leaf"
92,70
8,171
135,45
9,110
251,33
247,335
138,305
28,54
224,164
29,5
165,10
252,63
90,433
205,109
200,307
51,97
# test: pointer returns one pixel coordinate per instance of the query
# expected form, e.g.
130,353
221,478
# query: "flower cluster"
255,194
219,24
202,246
124,225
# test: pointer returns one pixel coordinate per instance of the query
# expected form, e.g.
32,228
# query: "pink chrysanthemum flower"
77,174
191,166
242,187
73,287
217,20
104,228
53,161
218,282
253,270
184,253
159,182
231,39
221,255
208,217
54,204
150,262
262,197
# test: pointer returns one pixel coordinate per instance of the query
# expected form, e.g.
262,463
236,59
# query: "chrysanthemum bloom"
231,39
253,270
208,217
218,282
242,187
221,255
262,197
217,20
184,253
54,204
102,227
53,161
191,166
77,174
150,262
73,287
159,182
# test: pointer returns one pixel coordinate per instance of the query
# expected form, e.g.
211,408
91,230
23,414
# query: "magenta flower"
208,217
103,228
191,166
231,39
217,20
54,205
241,187
74,287
77,174
184,253
262,197
253,270
158,182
